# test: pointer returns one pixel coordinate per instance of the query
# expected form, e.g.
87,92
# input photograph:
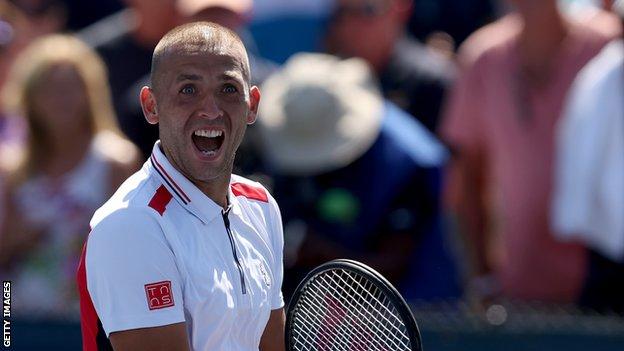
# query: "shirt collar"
185,192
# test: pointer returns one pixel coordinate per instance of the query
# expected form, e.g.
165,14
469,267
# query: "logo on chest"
159,295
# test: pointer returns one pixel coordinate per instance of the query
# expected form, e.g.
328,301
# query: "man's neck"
541,36
216,190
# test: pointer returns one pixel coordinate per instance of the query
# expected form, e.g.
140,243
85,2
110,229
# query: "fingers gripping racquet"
346,305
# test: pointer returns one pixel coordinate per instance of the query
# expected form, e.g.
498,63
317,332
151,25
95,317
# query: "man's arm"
132,280
273,336
466,194
171,337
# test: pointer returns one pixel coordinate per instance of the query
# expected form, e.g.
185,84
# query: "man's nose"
210,108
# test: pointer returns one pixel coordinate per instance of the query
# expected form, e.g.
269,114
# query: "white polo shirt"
161,252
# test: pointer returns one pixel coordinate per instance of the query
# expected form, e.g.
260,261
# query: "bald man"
186,255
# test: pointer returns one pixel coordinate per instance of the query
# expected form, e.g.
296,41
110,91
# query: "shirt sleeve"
462,126
277,298
132,276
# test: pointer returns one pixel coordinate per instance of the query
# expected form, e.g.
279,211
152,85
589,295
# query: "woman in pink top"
72,162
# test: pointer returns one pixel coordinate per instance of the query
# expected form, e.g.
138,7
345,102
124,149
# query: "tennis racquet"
346,305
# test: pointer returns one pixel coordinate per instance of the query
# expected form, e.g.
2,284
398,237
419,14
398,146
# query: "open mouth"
208,141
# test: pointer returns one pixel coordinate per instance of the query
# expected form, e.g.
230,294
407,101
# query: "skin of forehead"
198,46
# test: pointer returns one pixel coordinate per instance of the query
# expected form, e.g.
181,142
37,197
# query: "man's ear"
254,101
149,105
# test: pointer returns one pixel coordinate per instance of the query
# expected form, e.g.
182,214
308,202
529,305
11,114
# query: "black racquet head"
346,305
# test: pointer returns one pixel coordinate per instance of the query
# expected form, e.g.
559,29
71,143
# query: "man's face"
203,104
62,104
361,27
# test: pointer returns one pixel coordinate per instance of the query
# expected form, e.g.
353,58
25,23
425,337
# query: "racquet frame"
375,278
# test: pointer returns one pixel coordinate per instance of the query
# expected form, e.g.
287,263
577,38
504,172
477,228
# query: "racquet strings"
342,310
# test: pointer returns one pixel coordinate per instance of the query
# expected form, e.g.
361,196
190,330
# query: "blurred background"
472,151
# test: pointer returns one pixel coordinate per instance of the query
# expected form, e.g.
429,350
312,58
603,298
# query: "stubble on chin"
207,175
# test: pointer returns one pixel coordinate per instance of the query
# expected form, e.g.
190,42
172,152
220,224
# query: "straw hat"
319,113
191,7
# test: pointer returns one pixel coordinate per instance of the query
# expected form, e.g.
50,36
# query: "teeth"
208,133
209,153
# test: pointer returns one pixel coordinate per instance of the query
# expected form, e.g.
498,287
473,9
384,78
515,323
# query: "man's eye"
187,90
230,89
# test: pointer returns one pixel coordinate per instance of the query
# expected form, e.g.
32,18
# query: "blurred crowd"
465,149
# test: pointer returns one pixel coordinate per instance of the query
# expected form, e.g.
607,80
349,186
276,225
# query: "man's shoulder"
133,200
253,195
248,189
258,206
489,40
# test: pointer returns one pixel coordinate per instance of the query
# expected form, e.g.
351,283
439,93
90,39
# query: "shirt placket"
244,289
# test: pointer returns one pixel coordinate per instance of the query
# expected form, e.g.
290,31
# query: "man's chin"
206,174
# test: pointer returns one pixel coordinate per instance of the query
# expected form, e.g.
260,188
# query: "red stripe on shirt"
186,198
249,191
93,334
88,316
160,200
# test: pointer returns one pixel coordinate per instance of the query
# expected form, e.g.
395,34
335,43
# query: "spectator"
357,177
588,197
500,124
125,42
73,160
22,22
41,17
412,76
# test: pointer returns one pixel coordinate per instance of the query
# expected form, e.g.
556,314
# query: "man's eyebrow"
185,76
231,76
